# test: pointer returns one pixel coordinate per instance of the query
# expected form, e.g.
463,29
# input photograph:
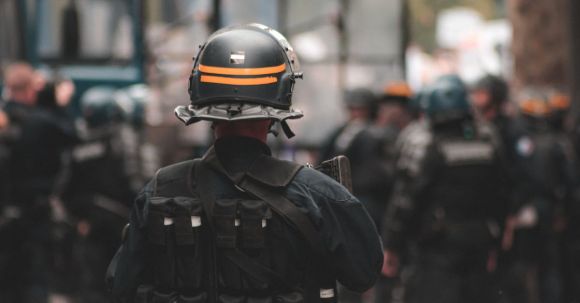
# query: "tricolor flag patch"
237,57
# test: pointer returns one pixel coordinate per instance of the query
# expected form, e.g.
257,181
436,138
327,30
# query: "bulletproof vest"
218,243
465,202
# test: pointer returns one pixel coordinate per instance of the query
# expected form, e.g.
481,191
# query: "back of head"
361,102
19,80
243,73
99,107
496,87
446,100
359,98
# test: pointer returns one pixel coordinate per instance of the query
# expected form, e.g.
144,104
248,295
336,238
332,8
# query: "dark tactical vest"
208,249
467,203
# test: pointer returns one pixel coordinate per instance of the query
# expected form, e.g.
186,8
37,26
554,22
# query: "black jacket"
354,254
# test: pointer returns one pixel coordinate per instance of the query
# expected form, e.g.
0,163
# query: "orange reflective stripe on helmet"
242,71
238,81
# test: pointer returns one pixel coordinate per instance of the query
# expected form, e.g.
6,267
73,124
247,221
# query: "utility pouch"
144,294
200,298
259,300
155,228
224,214
159,297
293,297
231,299
188,250
254,217
161,236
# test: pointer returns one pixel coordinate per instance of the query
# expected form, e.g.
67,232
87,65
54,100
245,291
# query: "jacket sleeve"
349,234
129,271
416,166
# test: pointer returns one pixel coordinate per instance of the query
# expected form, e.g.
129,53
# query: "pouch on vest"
189,246
254,217
259,300
161,236
224,214
144,294
294,297
159,297
200,298
231,299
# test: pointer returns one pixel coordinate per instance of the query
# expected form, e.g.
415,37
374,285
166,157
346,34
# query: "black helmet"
496,87
240,73
360,98
99,107
446,100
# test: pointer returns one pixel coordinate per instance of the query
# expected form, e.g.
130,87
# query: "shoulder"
316,184
173,178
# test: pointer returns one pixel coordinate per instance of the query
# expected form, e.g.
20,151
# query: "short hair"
18,76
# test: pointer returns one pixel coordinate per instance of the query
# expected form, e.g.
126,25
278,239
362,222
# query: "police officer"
36,149
448,204
239,225
559,104
105,173
546,196
355,140
393,115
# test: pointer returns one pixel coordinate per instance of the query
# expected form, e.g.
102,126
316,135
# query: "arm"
354,254
129,271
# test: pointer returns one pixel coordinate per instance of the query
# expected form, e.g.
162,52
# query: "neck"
252,129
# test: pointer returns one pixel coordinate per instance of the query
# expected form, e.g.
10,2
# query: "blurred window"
10,33
85,30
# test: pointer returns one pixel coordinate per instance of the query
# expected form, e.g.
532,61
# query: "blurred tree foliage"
423,16
541,42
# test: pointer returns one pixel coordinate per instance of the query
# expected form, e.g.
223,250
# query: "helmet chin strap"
285,128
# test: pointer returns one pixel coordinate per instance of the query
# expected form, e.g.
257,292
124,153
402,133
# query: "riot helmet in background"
360,98
99,107
559,110
493,89
446,100
533,103
397,92
243,73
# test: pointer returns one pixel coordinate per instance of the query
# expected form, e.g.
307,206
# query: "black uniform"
365,148
546,194
99,195
447,210
39,138
211,266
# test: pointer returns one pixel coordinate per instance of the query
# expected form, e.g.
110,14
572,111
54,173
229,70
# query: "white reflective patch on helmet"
237,57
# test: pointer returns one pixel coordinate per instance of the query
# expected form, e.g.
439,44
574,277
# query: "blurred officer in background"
361,107
8,230
449,203
362,147
489,97
559,104
545,196
393,115
355,140
36,149
239,225
105,176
